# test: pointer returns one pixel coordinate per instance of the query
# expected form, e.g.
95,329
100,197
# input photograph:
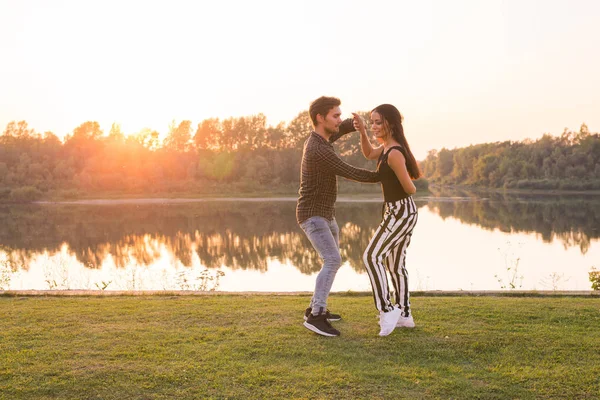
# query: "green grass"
255,347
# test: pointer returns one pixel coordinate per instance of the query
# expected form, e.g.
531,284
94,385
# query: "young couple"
315,211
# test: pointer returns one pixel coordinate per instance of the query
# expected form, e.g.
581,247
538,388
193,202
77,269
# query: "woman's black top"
391,186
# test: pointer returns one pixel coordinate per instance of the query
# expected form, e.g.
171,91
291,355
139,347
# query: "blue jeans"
325,238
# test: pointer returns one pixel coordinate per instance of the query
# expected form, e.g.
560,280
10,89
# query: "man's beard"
332,131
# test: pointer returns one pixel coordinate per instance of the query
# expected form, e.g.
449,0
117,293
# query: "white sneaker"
406,322
388,321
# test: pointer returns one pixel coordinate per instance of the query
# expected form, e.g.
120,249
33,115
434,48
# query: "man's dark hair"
322,105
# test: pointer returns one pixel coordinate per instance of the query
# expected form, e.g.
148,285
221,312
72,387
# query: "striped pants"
387,248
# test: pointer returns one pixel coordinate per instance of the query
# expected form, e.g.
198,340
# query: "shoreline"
417,293
549,192
179,200
343,198
434,192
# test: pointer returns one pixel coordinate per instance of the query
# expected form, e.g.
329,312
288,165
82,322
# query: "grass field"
255,347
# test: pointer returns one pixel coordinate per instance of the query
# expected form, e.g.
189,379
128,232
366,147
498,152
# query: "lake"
461,242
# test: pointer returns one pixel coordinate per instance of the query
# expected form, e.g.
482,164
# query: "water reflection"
573,221
240,235
248,235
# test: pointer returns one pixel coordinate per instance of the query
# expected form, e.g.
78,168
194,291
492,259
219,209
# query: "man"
315,209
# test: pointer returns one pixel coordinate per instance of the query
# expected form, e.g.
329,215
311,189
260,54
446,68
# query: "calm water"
468,243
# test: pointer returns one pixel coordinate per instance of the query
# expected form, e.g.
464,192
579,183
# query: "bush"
595,278
421,184
578,185
542,184
68,194
25,194
4,193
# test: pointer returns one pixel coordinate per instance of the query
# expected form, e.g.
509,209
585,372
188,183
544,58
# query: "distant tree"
240,134
445,163
3,172
148,138
257,170
217,166
228,141
429,165
25,194
179,136
84,143
298,130
208,134
116,134
256,131
275,136
86,131
18,130
51,140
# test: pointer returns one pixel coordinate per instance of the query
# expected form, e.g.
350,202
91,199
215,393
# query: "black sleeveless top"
391,186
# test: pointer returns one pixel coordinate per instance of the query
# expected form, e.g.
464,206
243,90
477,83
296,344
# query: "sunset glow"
461,73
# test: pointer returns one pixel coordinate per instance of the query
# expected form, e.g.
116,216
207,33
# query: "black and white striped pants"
387,248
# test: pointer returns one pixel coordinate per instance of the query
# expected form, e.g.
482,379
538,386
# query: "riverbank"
285,195
452,194
255,347
433,188
428,293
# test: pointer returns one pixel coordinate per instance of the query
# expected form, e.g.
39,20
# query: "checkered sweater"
318,177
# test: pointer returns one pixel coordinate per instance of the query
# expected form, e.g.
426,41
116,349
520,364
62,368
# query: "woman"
397,168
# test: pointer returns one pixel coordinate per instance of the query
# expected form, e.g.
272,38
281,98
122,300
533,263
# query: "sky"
461,72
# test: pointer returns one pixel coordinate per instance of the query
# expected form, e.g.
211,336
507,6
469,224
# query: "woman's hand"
359,123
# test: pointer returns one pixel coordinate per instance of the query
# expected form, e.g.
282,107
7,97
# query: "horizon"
461,74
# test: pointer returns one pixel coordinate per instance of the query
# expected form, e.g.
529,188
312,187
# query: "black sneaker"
319,324
330,317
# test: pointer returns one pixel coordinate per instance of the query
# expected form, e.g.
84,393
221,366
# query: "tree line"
236,153
570,161
245,155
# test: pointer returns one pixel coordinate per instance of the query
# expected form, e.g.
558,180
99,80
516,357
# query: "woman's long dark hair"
393,117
